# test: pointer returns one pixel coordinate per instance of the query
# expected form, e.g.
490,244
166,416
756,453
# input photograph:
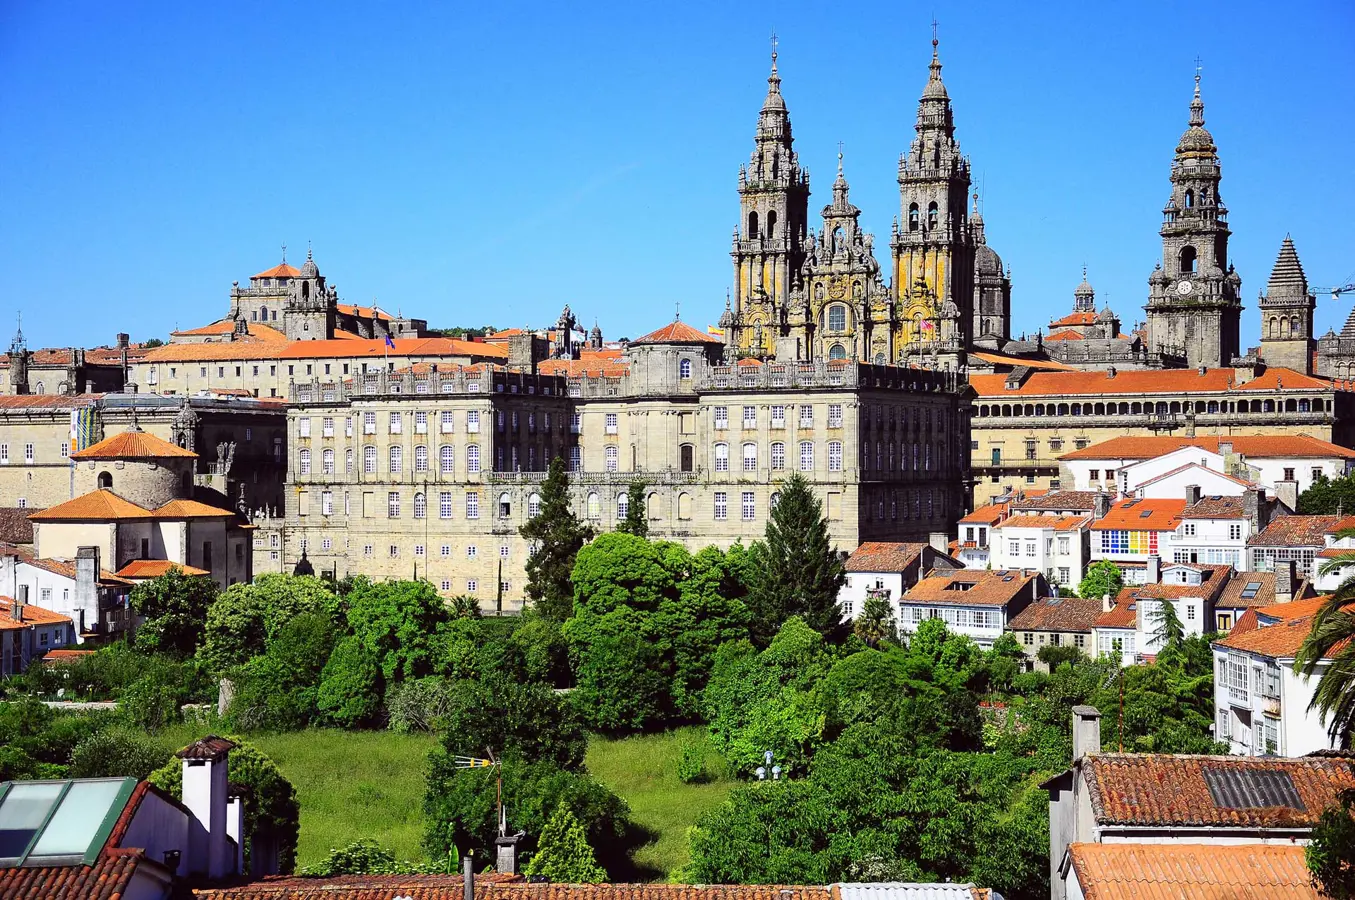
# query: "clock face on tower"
1183,287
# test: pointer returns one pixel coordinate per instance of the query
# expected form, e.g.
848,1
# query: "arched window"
750,457
686,458
472,458
304,457
912,217
653,507
685,368
41,388
776,498
684,506
835,456
612,455
837,351
880,358
369,460
533,505
931,215
1190,198
752,226
778,455
594,505
420,505
446,459
806,456
421,459
771,225
327,462
397,460
622,505
1274,325
722,457
837,317
1187,260
105,481
348,461
1294,326
263,310
505,505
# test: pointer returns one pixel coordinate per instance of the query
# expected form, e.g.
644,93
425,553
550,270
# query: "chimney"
1106,605
123,341
235,825
1192,494
1284,581
1225,449
1153,572
1287,492
1086,731
9,575
506,845
1254,508
16,610
467,877
939,541
1100,506
86,584
1110,371
205,793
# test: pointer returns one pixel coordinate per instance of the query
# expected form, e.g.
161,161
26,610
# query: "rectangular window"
28,454
445,505
1235,531
326,503
396,425
834,456
447,419
749,506
473,421
721,418
393,505
750,457
721,506
1288,474
778,417
394,550
778,455
327,427
303,427
471,586
4,454
806,416
471,551
472,504
369,423
473,458
750,417
806,456
611,423
421,423
835,415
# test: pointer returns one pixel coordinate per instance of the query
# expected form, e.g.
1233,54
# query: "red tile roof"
1124,614
134,445
1141,515
33,615
1081,501
1209,587
676,333
1144,381
1065,336
884,556
66,569
15,528
58,656
190,509
986,515
96,506
498,887
1231,598
1293,609
48,401
154,568
1162,871
1058,614
108,879
1058,523
1079,317
254,330
1279,641
1216,508
970,587
998,359
281,270
1295,531
575,368
363,312
1252,445
1160,789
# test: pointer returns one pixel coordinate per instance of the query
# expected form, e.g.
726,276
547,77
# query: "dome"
1105,316
309,269
1196,140
986,260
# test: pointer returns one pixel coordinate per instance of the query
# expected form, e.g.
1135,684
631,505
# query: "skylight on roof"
1146,514
55,823
1249,590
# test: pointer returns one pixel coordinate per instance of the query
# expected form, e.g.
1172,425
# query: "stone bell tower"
311,305
1287,314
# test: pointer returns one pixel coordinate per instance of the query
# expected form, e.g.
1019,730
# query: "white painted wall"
1131,472
1213,541
1240,709
851,597
984,624
1190,610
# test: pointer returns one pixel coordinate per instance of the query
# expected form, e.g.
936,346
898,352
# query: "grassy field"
351,784
643,770
370,784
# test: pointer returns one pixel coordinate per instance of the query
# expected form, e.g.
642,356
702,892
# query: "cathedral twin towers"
801,294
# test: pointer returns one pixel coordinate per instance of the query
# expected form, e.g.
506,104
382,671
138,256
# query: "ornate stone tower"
769,242
1194,305
1084,295
849,313
1287,314
310,311
992,290
933,247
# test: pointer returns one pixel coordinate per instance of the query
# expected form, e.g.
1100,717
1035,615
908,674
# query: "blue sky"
491,162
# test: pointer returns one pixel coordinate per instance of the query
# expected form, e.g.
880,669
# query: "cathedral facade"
801,294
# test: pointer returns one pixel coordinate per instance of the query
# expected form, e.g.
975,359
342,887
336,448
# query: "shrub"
116,752
691,767
152,701
350,693
418,705
175,609
563,855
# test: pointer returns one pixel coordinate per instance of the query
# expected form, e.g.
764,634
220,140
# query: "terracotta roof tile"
1123,614
33,615
1080,317
970,587
15,528
998,359
1295,531
1216,508
884,556
987,515
1252,445
1143,381
134,445
108,879
341,348
154,568
1162,789
1058,614
57,656
281,270
48,401
1066,336
96,506
1153,871
363,312
1264,593
1209,587
66,569
1292,610
1141,515
1279,641
190,509
676,333
1058,523
1079,501
575,368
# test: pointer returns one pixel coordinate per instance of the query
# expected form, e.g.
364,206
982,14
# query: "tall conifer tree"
556,535
637,520
798,571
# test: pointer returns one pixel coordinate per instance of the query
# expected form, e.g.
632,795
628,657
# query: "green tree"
278,689
876,622
1168,631
1331,851
115,753
563,855
1328,496
1102,578
272,812
174,607
245,616
799,573
349,694
556,536
399,622
636,521
526,721
1328,653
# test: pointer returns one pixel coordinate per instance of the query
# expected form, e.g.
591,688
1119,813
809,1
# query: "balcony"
1272,707
1239,696
1013,464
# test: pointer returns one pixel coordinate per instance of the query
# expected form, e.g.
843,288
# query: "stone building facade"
437,471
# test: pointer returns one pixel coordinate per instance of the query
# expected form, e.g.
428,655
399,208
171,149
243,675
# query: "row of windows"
1140,542
778,416
778,456
30,453
1160,407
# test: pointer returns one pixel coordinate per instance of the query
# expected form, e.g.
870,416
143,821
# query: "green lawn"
643,770
370,784
351,784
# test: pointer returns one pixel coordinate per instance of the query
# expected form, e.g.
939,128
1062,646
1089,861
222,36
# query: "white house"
972,602
887,569
1190,589
1260,703
1215,529
1334,545
1057,545
1132,532
27,632
973,534
97,604
1174,482
1292,538
1270,460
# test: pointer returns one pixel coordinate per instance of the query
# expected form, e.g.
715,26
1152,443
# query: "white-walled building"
96,603
973,539
1056,545
1334,545
1260,703
972,602
887,569
1055,622
1253,590
28,632
1190,589
1214,530
1292,538
1269,460
1133,532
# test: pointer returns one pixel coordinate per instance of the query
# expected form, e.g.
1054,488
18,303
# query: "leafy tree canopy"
174,607
1102,578
245,616
563,854
636,521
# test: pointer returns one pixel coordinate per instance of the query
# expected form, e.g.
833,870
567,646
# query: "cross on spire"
773,46
935,42
284,254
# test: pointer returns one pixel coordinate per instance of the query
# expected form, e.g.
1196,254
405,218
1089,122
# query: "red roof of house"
970,587
1264,593
1058,523
884,556
1066,336
986,515
134,444
1141,515
154,568
1161,871
1124,614
282,270
998,359
33,615
101,505
1058,614
1143,381
108,879
362,312
1296,531
678,332
1163,789
1253,445
1079,317
1076,501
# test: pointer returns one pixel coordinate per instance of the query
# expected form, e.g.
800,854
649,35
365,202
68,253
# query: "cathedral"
806,294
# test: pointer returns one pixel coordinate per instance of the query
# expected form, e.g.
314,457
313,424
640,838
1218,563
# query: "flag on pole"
715,332
390,342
